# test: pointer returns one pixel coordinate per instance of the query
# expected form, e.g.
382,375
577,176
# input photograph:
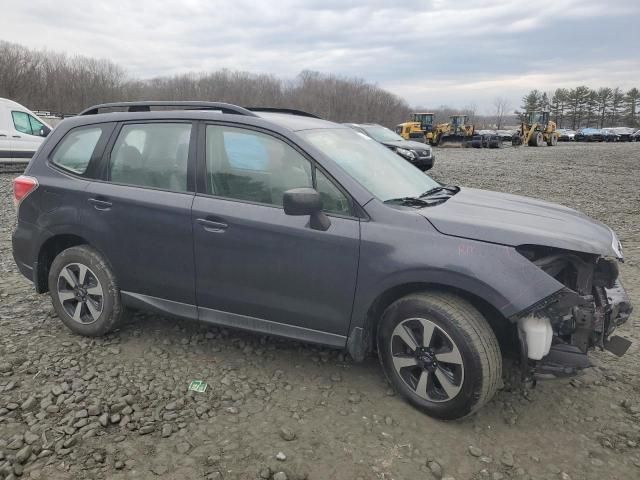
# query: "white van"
21,132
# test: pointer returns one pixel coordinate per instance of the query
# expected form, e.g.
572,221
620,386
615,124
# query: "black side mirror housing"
306,201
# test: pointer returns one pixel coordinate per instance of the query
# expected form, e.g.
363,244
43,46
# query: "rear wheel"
439,352
553,140
84,292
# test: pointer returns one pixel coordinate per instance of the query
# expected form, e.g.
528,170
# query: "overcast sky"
429,52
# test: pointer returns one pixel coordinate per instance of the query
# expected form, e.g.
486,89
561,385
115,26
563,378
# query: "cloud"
431,53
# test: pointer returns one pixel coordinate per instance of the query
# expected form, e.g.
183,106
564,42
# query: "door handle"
17,136
3,134
212,226
100,204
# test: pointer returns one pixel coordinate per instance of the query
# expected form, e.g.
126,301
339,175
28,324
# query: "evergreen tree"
631,102
559,105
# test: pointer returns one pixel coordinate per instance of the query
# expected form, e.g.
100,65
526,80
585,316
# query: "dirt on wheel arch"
118,407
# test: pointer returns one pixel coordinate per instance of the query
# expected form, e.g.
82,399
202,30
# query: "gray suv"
281,223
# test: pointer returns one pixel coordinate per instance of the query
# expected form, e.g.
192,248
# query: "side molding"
268,327
232,320
159,305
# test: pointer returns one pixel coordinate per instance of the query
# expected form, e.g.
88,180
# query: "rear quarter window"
75,150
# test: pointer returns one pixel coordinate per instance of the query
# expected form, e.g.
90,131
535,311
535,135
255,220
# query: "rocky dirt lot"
118,407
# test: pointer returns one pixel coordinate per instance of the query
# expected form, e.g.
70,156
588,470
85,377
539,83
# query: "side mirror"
44,131
306,201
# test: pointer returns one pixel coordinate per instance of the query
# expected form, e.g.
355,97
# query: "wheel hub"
426,358
80,293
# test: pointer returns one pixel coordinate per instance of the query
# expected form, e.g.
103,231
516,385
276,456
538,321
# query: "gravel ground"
118,407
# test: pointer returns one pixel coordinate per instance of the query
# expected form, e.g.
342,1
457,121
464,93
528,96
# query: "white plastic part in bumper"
538,334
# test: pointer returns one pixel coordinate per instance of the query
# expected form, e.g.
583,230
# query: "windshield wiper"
432,191
409,201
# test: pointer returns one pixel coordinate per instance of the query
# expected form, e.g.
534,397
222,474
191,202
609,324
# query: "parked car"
486,139
589,135
635,137
566,135
624,133
419,154
610,135
505,135
21,132
285,224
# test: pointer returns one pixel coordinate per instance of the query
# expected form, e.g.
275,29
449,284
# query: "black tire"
97,276
465,329
536,139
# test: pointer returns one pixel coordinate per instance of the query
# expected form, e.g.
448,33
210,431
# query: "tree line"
44,80
586,107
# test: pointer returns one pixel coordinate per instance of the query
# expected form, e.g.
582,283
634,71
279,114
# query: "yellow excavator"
419,129
455,131
536,130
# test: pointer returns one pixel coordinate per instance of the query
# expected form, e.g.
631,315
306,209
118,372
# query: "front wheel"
84,292
440,353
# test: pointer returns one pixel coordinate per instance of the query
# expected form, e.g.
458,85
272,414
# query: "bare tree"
501,107
45,80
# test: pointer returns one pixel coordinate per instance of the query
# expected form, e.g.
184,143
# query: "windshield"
385,174
381,134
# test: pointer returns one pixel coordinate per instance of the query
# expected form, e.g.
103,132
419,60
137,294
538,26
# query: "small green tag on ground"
198,386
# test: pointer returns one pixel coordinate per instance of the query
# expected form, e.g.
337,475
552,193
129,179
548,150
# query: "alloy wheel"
80,293
427,359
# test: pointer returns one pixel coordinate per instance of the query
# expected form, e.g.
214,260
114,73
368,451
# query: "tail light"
22,187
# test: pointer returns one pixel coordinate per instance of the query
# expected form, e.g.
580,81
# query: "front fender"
496,273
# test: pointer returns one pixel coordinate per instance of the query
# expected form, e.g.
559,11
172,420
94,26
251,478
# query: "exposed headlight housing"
616,245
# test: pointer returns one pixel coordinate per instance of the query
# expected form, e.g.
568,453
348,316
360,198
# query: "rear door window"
152,155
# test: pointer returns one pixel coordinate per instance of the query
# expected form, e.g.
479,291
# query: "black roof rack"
147,106
290,111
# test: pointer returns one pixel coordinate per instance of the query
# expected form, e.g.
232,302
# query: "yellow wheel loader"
537,130
418,129
456,132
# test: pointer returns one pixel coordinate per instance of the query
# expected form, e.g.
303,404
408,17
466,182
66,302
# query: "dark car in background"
635,136
610,135
486,139
589,135
419,154
505,135
625,134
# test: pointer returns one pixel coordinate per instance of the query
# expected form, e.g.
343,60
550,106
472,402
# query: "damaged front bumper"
574,324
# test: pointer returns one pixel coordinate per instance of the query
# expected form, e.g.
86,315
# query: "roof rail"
147,106
290,111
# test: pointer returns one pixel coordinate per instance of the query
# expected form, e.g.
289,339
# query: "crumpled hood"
514,220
